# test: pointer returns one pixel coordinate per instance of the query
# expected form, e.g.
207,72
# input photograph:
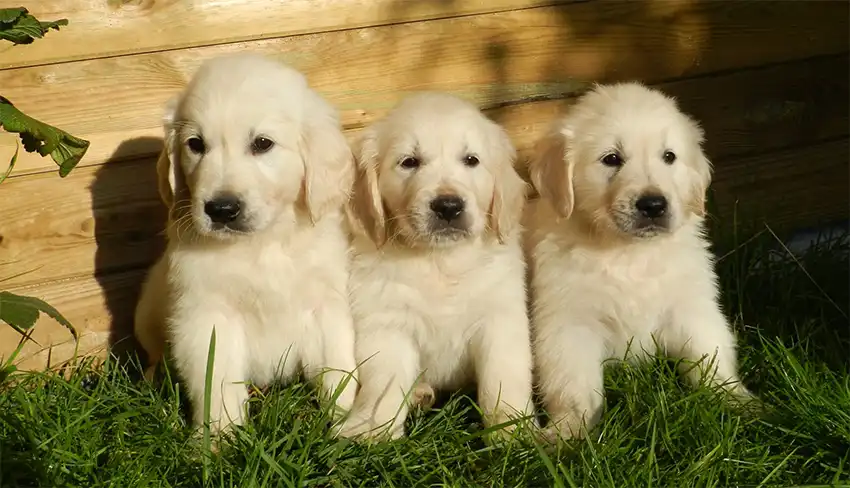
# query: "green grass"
99,427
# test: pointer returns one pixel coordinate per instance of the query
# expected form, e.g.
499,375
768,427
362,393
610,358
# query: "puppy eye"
409,163
196,145
471,161
261,145
669,157
613,160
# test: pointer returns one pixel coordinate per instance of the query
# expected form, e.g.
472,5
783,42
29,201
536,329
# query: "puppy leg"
503,365
699,333
190,348
389,366
569,365
329,358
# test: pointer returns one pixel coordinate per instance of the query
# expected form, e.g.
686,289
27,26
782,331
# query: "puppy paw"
519,429
743,399
366,430
423,396
569,428
217,438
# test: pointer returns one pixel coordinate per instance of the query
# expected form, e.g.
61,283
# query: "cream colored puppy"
618,257
437,285
256,173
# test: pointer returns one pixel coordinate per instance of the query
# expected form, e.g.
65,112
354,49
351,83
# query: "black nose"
652,206
223,209
447,207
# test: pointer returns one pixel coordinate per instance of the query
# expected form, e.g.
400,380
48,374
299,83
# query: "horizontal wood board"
110,28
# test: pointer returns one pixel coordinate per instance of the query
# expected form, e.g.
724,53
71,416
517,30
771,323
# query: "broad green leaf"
65,149
11,164
10,15
19,27
21,312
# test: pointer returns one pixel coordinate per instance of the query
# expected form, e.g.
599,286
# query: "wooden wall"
768,80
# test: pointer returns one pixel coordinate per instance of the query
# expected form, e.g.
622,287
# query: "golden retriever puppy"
437,284
617,254
256,173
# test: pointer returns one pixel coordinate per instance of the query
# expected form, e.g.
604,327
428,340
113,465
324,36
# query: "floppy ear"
328,162
551,169
702,179
509,191
169,175
367,205
700,173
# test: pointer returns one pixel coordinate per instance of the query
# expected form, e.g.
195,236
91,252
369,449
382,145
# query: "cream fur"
602,286
275,287
443,310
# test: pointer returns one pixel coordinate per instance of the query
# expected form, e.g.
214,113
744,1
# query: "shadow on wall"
602,42
129,224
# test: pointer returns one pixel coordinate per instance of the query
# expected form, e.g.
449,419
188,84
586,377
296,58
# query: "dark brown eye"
669,157
409,163
613,159
196,145
470,160
261,145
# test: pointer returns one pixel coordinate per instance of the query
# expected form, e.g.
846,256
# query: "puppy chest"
266,289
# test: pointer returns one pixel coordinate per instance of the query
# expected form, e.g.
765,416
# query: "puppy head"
626,161
248,145
436,171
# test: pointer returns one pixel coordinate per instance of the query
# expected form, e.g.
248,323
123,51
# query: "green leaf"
11,164
21,312
10,15
65,149
19,27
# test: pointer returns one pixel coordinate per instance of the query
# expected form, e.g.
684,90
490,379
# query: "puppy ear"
509,190
702,179
328,162
367,205
700,173
551,169
169,175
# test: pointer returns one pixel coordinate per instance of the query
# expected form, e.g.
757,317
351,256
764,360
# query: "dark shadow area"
129,223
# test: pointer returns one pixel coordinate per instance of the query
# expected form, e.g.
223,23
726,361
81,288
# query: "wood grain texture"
88,304
813,182
107,28
801,187
106,218
493,59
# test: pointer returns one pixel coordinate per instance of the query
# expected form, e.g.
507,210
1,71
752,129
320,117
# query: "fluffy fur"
612,277
272,281
437,302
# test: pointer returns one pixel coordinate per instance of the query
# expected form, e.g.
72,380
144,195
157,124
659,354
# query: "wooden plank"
88,303
790,188
802,187
107,28
96,220
503,58
104,218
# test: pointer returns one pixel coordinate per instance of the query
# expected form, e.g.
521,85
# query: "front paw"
741,398
569,427
361,429
423,396
514,429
